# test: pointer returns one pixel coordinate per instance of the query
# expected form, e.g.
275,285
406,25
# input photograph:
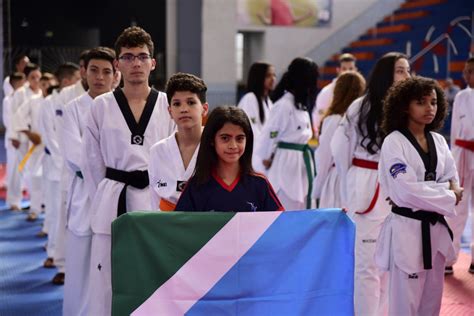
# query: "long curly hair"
397,102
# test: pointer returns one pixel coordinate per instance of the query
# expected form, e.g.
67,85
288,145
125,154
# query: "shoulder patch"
397,169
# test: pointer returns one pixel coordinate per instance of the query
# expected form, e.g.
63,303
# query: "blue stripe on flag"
302,265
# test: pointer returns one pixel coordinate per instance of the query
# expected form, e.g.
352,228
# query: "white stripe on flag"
197,276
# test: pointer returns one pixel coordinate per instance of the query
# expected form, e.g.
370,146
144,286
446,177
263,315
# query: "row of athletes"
107,151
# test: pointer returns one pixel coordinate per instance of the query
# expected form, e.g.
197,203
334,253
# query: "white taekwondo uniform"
249,104
357,170
415,250
326,185
462,147
116,145
288,131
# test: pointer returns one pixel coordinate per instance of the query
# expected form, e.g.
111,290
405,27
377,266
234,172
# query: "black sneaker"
471,268
448,270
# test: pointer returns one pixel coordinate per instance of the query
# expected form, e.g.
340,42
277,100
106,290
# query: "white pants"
60,247
14,183
100,280
78,255
35,186
370,283
288,203
52,204
463,209
418,293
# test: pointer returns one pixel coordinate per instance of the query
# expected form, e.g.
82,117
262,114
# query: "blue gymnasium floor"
25,286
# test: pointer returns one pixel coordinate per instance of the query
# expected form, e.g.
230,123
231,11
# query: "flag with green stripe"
267,263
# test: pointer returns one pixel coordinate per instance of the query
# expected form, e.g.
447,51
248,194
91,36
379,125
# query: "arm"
152,174
72,138
323,157
455,121
342,150
249,105
271,201
93,162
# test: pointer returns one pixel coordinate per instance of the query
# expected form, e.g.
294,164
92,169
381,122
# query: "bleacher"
416,25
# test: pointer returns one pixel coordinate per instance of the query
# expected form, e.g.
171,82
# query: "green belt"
79,174
307,158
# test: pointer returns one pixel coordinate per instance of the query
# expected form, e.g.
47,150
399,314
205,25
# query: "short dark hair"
101,53
207,157
186,82
18,58
84,54
30,67
66,70
134,36
397,102
346,57
17,76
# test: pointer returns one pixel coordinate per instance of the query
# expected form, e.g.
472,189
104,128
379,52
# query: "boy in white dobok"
172,160
100,76
17,80
347,62
120,129
21,143
462,146
67,75
418,176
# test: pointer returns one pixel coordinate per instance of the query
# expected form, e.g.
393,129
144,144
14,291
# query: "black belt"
426,219
137,179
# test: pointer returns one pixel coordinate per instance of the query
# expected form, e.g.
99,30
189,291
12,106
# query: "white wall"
218,68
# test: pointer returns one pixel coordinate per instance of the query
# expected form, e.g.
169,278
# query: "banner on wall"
296,13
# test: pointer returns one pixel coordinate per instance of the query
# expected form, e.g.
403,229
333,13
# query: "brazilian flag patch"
273,134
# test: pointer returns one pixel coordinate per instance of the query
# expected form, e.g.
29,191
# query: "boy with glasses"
120,129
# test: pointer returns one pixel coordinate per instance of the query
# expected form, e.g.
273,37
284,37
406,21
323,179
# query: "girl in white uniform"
100,76
172,160
326,185
288,131
356,147
257,104
462,146
120,129
418,176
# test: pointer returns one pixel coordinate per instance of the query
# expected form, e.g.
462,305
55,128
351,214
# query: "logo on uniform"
59,112
180,186
369,241
137,140
397,168
161,184
273,134
253,207
413,276
253,120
